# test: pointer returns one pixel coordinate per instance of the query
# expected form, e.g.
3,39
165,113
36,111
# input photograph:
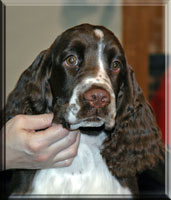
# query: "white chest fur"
88,173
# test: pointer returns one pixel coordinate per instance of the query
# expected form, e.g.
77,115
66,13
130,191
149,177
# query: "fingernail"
59,127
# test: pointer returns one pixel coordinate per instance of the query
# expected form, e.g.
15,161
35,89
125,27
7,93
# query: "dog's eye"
72,61
116,66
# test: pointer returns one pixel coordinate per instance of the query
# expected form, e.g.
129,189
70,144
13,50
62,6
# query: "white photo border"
167,5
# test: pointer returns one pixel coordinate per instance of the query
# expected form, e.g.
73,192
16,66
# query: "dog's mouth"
90,126
91,130
89,122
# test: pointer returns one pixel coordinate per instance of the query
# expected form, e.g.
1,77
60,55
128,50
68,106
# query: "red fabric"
158,104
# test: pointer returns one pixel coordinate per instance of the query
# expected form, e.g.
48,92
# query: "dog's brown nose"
97,98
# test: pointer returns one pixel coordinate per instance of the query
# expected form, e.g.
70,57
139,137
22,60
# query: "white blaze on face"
101,80
99,34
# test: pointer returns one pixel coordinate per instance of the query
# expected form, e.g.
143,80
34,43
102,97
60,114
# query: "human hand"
30,149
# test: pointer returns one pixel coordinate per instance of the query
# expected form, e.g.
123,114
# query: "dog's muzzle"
93,107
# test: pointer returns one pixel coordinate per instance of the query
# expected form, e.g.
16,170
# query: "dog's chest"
88,173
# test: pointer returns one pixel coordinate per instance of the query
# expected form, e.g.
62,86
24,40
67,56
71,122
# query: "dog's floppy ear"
32,93
135,143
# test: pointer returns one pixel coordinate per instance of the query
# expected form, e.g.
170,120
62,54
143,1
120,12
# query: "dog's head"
88,67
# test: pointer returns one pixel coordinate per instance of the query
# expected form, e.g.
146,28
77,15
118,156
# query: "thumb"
36,122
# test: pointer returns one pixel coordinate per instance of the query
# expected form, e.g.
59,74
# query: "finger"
50,136
64,163
68,153
64,143
34,122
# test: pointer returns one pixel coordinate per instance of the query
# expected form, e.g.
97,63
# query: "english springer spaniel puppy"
85,80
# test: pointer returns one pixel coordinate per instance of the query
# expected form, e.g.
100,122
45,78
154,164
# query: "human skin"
50,147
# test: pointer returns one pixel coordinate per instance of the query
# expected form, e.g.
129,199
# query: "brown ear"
32,94
135,143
